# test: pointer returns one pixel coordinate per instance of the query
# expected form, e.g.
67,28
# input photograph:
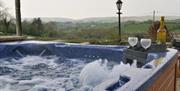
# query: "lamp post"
119,5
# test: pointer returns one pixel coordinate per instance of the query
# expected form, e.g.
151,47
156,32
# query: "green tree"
38,26
50,30
5,19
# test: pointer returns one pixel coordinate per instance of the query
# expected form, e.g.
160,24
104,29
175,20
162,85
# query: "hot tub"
23,67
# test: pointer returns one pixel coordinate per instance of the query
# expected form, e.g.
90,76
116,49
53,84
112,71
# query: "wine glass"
133,41
145,43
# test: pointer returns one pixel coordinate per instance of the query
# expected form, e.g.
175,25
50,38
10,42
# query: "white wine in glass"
133,41
145,43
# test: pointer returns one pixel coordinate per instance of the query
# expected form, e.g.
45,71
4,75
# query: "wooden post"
18,18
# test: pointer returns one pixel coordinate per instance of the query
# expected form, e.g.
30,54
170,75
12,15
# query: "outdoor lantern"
119,4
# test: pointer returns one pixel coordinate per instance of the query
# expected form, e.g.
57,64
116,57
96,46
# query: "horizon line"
98,16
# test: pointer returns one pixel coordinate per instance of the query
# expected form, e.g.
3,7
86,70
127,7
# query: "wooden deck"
12,38
178,74
178,84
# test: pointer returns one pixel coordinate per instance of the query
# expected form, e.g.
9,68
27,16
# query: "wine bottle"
161,33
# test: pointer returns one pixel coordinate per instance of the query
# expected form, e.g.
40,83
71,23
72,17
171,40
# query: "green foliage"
134,27
92,32
173,26
6,21
76,32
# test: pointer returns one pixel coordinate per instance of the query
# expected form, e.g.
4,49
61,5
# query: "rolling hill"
103,19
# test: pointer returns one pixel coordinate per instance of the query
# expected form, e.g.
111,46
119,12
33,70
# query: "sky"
77,9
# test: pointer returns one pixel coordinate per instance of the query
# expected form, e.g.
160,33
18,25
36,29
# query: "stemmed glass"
145,43
133,41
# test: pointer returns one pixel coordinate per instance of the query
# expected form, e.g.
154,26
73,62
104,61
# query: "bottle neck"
162,24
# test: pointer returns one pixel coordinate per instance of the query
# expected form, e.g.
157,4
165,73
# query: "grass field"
136,28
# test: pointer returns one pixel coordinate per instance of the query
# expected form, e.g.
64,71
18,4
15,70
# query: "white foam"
119,69
34,60
6,88
59,76
94,73
45,88
29,76
86,88
5,81
134,64
35,80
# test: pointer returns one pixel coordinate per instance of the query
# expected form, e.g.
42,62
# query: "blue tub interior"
113,53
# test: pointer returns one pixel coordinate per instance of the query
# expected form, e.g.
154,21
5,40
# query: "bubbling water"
94,73
35,73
